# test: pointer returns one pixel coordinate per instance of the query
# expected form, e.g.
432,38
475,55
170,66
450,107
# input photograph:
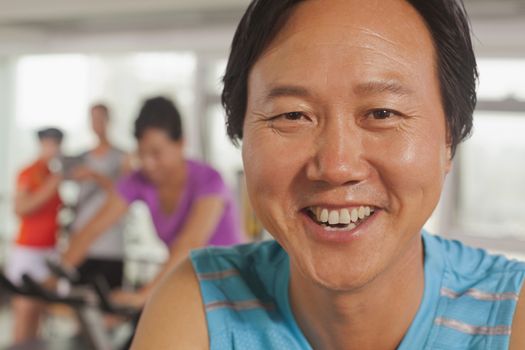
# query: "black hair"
446,20
159,113
50,133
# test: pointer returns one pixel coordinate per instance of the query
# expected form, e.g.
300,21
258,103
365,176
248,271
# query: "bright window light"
492,191
501,79
51,90
172,68
223,155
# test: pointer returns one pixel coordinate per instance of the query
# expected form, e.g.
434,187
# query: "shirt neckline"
418,333
176,212
419,330
284,300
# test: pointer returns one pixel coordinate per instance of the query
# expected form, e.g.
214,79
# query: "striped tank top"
468,302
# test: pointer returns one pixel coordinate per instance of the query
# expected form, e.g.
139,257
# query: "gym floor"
59,324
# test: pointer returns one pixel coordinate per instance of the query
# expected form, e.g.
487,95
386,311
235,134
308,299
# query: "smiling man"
350,113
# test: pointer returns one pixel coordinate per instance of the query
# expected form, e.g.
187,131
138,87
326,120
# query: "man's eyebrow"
287,90
368,88
378,87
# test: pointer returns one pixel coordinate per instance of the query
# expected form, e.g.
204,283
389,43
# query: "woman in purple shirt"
189,203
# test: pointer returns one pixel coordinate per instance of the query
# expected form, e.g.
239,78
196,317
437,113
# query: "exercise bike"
89,302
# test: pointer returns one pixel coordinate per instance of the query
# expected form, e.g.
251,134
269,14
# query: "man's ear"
448,159
449,152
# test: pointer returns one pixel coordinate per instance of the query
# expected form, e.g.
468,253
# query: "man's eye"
293,115
291,122
382,114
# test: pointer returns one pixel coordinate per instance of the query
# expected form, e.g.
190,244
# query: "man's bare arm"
174,316
517,339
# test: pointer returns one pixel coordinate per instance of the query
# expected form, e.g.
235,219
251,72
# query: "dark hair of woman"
50,133
447,22
159,113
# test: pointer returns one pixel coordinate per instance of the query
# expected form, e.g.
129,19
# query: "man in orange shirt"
37,203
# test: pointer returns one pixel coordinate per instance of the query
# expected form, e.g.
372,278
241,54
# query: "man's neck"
42,159
102,147
376,316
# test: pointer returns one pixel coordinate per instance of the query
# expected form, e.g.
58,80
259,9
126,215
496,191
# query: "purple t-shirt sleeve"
210,184
128,187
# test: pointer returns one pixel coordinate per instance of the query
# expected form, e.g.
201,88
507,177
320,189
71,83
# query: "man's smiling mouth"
343,219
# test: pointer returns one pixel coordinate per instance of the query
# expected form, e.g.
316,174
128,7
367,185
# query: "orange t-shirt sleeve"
23,181
39,228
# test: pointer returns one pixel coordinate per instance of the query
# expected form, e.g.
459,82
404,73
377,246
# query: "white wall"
499,37
6,97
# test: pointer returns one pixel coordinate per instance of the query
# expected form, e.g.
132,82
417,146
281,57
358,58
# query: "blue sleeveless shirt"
468,302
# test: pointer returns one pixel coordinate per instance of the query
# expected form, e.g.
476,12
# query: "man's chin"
346,283
338,276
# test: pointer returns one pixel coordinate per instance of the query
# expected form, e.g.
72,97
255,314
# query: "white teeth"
361,212
324,215
354,216
344,217
333,218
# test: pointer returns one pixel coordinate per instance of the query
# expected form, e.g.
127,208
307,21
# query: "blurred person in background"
189,203
37,203
100,168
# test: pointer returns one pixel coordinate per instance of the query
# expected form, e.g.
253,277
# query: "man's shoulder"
517,339
478,293
241,256
32,173
174,314
474,262
32,168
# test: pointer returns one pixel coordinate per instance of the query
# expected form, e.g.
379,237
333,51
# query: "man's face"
99,121
345,146
49,148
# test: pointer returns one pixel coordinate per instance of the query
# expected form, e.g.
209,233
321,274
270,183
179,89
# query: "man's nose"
338,158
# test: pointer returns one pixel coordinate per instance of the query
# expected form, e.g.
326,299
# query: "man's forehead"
389,22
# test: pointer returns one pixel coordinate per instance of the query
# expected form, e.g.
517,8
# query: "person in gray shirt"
100,168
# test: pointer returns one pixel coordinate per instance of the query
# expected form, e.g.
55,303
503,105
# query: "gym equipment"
89,303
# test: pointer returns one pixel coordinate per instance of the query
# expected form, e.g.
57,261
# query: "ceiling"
496,22
492,9
77,16
60,9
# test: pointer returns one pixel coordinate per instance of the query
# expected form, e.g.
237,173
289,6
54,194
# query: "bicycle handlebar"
13,288
71,275
100,286
51,296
